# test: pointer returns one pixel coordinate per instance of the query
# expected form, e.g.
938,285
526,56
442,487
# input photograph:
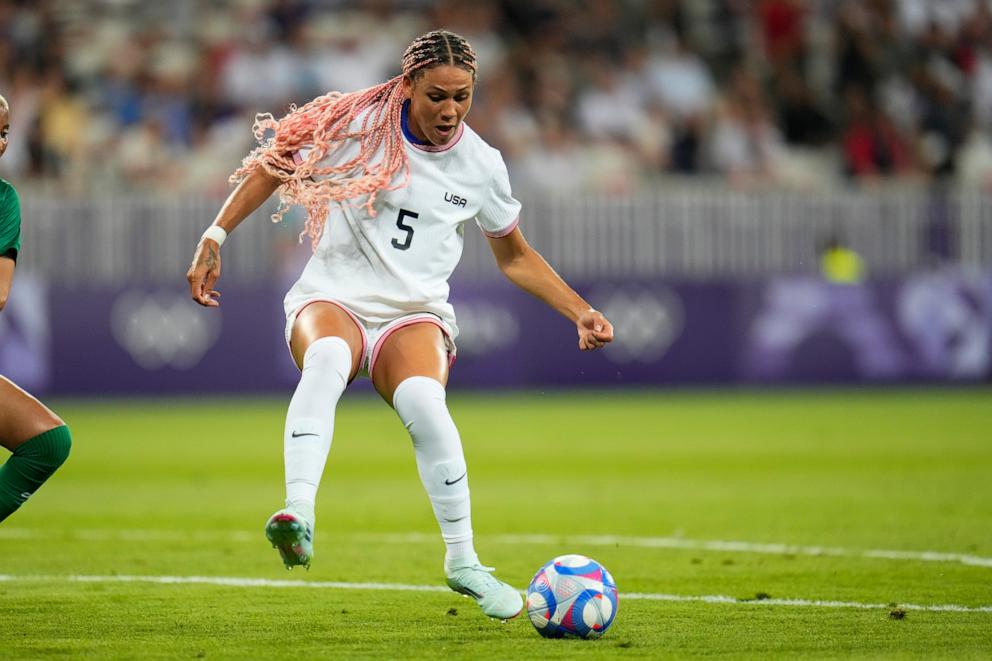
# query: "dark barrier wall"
931,327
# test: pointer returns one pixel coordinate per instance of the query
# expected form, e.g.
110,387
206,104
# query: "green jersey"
10,221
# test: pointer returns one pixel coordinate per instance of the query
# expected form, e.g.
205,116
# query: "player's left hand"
595,330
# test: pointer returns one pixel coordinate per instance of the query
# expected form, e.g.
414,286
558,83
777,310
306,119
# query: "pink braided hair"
324,124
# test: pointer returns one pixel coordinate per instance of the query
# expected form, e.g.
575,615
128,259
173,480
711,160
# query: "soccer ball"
572,596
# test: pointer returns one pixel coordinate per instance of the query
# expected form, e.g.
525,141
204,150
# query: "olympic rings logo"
163,329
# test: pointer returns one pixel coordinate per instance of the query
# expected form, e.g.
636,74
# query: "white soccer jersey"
399,261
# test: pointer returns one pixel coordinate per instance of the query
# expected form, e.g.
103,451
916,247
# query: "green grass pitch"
645,482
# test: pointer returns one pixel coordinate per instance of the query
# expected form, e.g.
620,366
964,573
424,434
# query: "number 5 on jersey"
408,238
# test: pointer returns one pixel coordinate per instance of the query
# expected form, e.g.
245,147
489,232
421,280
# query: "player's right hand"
203,274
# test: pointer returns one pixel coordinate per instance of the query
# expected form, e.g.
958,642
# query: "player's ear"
407,87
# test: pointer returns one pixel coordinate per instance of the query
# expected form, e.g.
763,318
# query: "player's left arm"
526,268
6,278
10,238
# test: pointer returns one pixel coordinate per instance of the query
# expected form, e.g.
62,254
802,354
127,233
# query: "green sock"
32,463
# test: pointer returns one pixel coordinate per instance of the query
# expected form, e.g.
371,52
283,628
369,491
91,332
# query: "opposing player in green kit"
38,438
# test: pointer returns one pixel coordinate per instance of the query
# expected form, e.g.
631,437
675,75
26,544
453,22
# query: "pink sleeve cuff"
505,231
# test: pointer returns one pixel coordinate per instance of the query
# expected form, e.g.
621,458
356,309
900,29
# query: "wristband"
215,233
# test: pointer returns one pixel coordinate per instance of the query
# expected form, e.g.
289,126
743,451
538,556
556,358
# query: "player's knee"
34,426
329,355
418,395
47,451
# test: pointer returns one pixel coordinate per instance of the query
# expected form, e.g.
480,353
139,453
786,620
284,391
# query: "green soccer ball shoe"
292,536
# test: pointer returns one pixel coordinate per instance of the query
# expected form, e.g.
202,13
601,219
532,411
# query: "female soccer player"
38,438
389,176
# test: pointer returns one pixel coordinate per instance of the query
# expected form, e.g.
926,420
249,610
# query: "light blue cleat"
292,536
495,598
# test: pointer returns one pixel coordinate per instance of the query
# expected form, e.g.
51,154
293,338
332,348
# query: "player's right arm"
205,269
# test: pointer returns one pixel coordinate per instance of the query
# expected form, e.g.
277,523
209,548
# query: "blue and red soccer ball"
572,596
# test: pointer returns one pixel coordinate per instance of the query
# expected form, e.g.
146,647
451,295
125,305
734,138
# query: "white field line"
723,546
243,582
717,546
132,535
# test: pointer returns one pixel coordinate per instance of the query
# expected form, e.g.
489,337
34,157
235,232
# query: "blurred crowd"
606,95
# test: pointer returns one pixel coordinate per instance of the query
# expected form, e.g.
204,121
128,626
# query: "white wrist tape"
215,233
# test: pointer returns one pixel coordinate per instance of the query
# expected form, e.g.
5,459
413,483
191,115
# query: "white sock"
420,403
310,420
